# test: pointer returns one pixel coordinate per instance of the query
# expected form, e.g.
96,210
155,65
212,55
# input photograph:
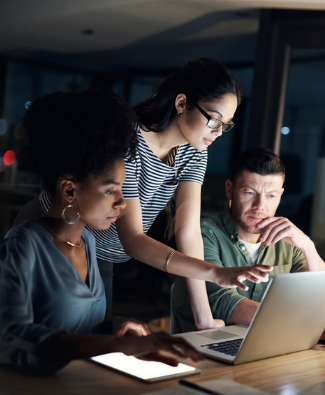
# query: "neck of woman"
163,143
54,223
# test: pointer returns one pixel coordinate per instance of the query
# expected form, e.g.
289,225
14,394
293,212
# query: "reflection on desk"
297,373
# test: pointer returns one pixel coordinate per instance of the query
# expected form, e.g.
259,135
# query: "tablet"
148,371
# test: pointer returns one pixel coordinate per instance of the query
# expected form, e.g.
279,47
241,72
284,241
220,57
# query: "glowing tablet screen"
144,370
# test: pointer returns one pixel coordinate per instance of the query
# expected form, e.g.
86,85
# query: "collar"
230,225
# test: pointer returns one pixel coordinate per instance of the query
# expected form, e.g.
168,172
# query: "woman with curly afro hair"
52,298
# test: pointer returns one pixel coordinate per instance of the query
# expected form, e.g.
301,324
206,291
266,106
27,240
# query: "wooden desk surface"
287,374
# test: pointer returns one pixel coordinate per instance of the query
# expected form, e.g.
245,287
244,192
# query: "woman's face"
100,198
192,122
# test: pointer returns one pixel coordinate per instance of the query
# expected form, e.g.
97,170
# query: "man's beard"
240,222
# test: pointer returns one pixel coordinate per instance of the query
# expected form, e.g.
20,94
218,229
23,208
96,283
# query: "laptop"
290,318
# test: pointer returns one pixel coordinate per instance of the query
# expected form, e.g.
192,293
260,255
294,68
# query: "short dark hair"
199,79
257,160
79,134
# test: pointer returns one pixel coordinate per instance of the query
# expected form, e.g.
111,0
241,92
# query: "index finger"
263,268
266,221
239,284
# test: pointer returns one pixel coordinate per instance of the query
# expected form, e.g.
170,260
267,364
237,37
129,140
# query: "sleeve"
299,262
21,339
197,171
130,185
222,301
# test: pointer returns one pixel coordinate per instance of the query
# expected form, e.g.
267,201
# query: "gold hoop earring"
229,204
64,218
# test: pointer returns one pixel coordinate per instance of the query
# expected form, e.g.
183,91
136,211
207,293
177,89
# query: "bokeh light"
3,126
285,130
9,158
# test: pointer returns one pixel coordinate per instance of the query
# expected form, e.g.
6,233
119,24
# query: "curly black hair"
79,134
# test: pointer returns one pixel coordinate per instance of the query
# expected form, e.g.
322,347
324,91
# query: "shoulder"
28,229
189,153
210,222
210,227
22,242
26,236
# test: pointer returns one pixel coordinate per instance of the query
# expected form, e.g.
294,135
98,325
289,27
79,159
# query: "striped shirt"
154,183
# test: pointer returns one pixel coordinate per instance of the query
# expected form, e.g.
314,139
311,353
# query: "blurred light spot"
3,126
9,158
19,132
285,130
28,104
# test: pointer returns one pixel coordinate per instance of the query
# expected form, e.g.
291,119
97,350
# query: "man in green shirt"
245,234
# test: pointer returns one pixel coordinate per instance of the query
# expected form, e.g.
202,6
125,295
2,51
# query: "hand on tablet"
150,347
127,326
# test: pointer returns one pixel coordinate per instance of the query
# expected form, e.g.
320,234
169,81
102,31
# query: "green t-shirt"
223,247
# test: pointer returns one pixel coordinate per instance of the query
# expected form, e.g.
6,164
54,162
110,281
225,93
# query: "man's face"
253,197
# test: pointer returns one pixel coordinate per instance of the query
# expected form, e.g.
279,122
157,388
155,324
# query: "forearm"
192,245
199,302
154,253
79,346
74,346
145,249
53,354
68,346
314,261
277,228
243,312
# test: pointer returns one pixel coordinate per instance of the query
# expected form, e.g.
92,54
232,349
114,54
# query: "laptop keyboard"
229,347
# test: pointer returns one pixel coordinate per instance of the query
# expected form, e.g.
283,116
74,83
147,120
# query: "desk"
287,374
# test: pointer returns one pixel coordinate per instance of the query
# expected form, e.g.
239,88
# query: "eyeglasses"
214,123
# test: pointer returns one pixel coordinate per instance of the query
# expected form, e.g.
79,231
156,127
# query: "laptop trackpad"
216,335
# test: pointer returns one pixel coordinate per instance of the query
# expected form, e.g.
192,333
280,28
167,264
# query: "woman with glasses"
185,113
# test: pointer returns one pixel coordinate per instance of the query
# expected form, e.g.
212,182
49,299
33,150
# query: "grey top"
42,295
